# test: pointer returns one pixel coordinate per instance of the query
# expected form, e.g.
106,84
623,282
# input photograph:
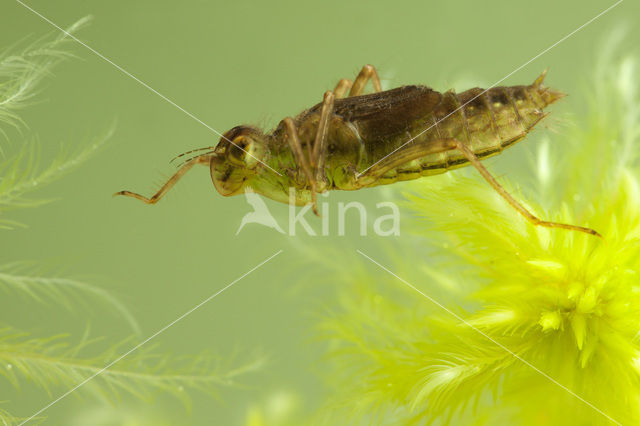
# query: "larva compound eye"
238,150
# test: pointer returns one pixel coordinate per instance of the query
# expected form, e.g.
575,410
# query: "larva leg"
301,160
417,150
319,154
367,73
473,159
355,88
409,152
204,159
342,88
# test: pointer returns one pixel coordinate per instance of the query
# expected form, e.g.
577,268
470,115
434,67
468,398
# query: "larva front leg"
301,160
203,159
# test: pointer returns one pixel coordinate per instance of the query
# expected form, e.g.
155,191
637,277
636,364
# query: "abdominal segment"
486,121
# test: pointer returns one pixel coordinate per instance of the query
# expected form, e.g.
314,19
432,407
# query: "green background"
230,63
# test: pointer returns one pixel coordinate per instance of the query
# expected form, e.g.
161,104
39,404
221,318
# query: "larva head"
238,156
542,95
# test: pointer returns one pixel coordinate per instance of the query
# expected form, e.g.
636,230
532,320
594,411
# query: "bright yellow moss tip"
550,320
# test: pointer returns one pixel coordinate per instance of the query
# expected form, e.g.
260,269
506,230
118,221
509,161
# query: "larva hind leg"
415,150
475,162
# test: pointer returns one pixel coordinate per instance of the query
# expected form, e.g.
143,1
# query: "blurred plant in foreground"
278,409
565,302
54,363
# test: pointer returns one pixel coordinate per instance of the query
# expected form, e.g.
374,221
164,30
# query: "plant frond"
22,173
564,302
6,419
22,72
64,291
54,364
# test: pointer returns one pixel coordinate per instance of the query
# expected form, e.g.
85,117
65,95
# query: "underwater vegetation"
58,363
535,326
532,326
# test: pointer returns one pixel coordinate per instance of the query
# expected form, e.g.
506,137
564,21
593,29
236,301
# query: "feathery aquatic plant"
55,363
565,303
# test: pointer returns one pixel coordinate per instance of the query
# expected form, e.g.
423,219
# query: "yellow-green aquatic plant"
541,326
55,362
278,409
